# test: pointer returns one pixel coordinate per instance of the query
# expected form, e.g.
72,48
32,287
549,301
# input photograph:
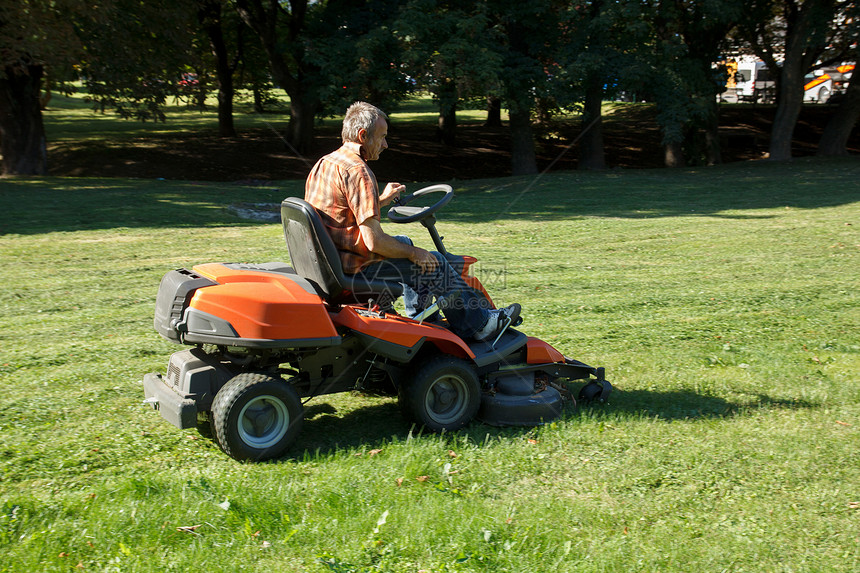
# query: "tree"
834,140
135,54
522,75
505,51
359,55
211,16
687,43
705,28
449,51
22,134
316,48
594,68
129,53
35,35
532,34
799,31
280,28
606,42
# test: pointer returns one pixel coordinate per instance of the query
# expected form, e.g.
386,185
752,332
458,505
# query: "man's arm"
391,192
383,244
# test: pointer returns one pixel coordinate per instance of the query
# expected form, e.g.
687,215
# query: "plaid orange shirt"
344,191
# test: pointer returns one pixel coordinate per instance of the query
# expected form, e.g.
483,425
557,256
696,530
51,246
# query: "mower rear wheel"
443,394
256,417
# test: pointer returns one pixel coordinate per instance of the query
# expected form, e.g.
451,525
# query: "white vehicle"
822,84
749,80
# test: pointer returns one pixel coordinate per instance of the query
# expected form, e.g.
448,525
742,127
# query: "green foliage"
541,57
451,43
688,40
722,302
136,52
356,50
38,32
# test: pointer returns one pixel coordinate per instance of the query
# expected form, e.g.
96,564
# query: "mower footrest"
487,354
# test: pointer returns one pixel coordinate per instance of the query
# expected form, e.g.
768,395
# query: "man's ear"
362,136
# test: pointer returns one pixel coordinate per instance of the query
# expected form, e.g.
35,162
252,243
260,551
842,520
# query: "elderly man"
346,194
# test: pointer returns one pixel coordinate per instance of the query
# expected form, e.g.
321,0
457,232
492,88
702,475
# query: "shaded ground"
414,153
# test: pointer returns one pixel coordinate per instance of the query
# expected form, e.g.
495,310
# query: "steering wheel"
403,213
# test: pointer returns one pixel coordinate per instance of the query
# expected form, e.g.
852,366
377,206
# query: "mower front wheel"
443,394
256,417
595,392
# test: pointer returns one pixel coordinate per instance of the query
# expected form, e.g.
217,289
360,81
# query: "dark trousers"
466,309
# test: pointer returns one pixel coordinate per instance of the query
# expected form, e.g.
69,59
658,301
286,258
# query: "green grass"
723,303
70,118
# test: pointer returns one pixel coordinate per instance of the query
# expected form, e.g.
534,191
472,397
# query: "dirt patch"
266,212
415,154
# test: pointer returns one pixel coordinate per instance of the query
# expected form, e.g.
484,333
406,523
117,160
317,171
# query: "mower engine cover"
266,306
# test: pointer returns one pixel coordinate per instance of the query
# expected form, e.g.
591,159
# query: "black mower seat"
316,259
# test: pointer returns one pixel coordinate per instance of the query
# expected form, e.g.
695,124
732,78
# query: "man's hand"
391,192
424,259
382,244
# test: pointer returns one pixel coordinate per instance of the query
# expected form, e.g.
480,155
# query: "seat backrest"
315,257
312,251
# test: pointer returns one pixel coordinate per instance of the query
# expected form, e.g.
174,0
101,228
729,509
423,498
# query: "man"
346,194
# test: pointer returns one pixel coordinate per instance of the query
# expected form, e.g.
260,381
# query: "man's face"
374,141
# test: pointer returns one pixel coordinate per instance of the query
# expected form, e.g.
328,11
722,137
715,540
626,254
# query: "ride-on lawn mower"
266,337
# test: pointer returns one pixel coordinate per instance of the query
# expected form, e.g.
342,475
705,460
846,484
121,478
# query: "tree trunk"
673,154
713,153
290,70
22,133
448,126
523,157
520,99
45,97
675,133
804,42
259,107
304,104
200,91
226,127
300,131
494,112
834,140
591,151
787,112
447,130
210,16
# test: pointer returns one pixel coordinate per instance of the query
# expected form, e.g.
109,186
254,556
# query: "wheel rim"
263,422
447,399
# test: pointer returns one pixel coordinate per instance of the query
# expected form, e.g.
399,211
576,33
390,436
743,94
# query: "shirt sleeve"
362,194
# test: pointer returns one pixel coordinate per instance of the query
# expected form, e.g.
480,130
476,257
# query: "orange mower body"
263,339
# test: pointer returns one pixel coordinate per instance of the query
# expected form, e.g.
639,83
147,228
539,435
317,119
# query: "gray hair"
360,115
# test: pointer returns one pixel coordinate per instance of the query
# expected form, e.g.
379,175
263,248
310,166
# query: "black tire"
256,417
594,392
443,394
